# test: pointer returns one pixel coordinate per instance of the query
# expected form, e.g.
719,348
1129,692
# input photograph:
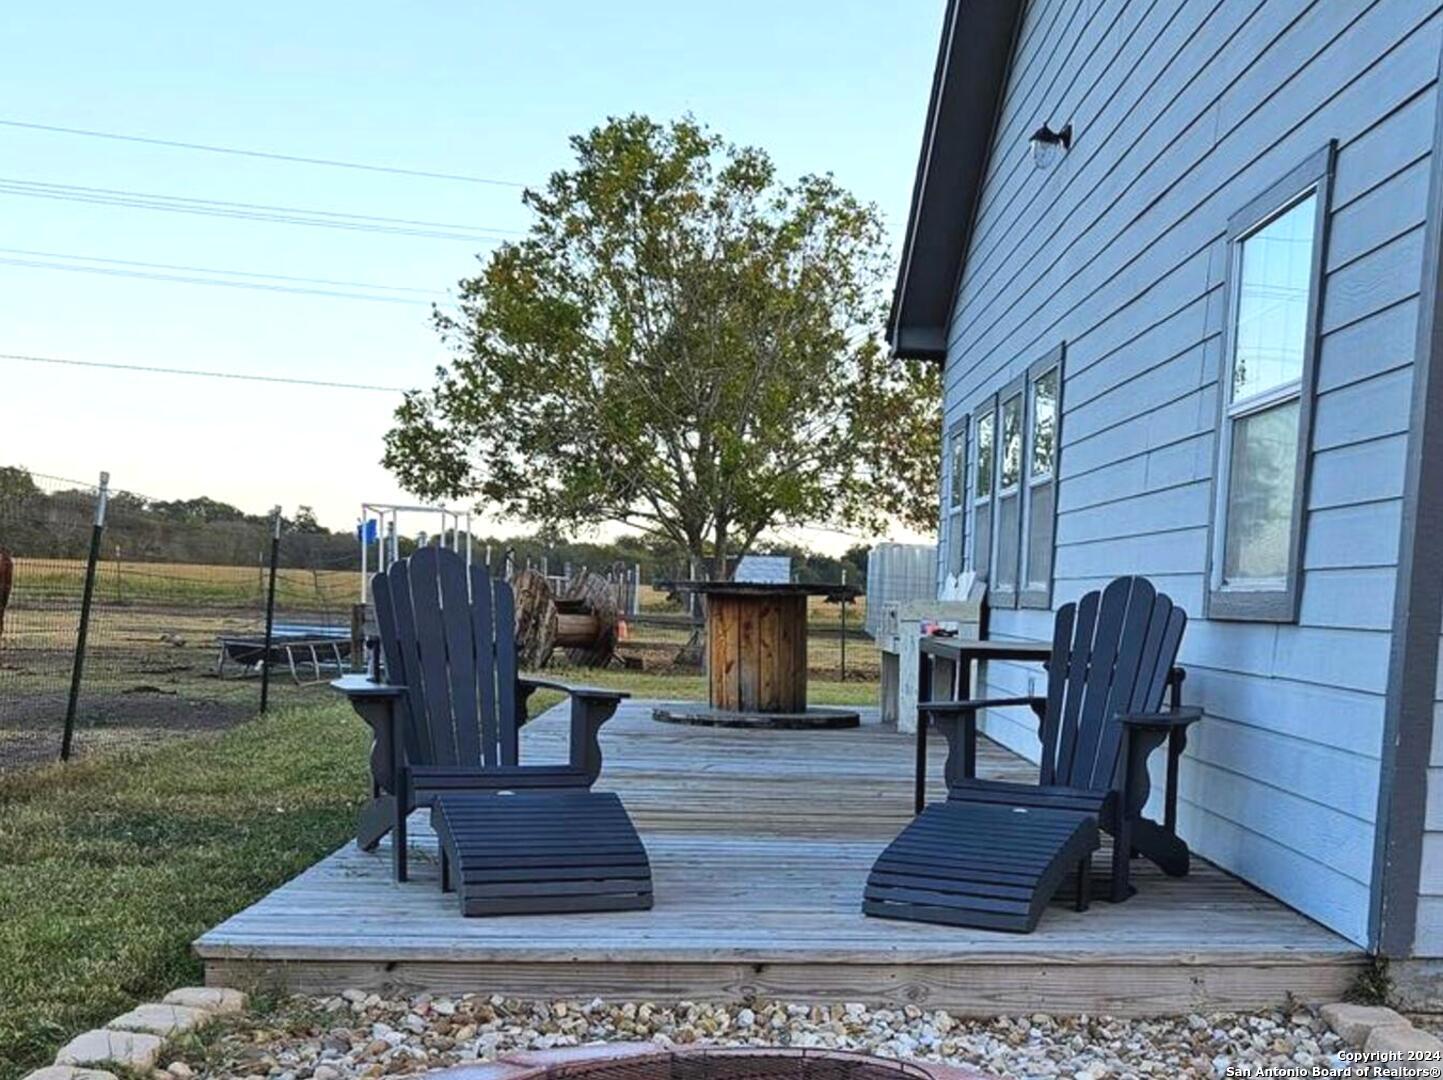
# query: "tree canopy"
682,342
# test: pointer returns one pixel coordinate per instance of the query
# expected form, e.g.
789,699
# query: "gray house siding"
1182,113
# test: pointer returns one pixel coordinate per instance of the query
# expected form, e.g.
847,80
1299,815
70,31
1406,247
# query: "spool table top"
763,588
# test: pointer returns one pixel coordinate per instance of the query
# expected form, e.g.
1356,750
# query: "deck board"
760,842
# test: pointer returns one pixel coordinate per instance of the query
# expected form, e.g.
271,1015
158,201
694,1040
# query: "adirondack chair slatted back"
448,634
1112,653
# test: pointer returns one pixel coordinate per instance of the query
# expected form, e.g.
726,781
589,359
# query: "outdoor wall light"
1048,145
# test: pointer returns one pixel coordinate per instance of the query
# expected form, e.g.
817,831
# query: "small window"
1044,424
959,464
1044,411
956,498
984,454
1003,583
1275,267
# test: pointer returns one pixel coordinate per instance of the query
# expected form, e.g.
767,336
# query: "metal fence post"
844,625
78,668
270,607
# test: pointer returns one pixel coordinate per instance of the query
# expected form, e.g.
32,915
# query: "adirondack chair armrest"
359,686
590,708
1147,732
529,684
958,722
1167,720
939,710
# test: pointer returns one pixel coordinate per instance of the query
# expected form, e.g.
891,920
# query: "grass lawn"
111,867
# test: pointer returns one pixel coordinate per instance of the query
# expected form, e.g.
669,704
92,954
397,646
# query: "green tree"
684,343
201,510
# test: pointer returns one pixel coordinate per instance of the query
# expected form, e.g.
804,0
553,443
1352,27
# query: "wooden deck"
760,842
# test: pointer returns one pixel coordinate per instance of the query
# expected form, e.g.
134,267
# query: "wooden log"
535,619
576,629
597,600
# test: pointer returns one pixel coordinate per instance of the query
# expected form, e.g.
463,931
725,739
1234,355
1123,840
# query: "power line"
255,286
229,204
152,370
123,269
264,154
282,215
215,270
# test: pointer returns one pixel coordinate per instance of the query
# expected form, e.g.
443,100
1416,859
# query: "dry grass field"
180,584
151,671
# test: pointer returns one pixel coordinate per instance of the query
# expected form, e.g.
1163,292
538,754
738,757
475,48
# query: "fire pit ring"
648,1061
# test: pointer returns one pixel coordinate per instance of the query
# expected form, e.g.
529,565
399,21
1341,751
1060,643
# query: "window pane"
954,544
1044,423
1011,441
985,451
1276,269
1009,539
1041,524
1260,495
982,539
959,458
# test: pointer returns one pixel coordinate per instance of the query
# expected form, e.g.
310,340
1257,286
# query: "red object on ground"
7,577
648,1061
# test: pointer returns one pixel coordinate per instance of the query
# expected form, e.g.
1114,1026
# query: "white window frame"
1272,599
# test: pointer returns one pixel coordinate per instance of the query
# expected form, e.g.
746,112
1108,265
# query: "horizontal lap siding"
1181,114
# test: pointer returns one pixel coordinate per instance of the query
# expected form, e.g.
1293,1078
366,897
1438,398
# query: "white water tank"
897,573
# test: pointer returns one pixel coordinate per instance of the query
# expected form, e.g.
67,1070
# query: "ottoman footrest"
985,865
536,853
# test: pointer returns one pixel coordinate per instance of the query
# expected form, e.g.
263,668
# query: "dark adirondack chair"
996,851
446,719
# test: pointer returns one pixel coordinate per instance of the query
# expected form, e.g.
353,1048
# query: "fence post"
78,668
844,625
270,608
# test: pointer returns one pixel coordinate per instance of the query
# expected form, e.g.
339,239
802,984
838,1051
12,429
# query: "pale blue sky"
488,88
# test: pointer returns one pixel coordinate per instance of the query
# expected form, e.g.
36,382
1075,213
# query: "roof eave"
967,87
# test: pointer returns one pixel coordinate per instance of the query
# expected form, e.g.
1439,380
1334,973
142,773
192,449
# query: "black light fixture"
1048,145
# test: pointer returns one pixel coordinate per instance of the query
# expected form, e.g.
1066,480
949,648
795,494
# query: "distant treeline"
55,524
666,561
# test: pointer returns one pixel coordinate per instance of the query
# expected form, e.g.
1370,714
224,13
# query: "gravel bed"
365,1036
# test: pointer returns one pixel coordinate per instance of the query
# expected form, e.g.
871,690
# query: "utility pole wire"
155,370
267,155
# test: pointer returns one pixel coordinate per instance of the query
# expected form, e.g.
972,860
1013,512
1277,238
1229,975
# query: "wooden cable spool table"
756,649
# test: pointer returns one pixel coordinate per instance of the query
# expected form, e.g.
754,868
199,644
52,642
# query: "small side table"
962,653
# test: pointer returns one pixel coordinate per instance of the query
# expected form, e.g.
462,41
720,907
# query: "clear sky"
488,89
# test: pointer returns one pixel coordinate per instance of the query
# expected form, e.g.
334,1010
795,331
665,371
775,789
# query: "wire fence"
175,638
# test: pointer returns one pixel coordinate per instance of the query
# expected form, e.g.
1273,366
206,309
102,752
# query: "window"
1003,584
1044,412
984,422
1016,445
956,497
1275,249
